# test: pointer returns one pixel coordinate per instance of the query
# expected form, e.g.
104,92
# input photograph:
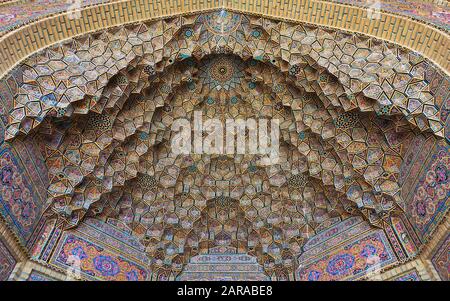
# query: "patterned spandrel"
17,13
441,259
435,12
223,265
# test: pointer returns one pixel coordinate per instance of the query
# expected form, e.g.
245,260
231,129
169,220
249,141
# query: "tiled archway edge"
432,43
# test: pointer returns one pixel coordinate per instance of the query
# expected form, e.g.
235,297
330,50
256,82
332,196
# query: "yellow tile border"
432,43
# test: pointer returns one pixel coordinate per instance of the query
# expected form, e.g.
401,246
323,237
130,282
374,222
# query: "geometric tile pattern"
392,78
19,204
37,276
101,108
412,275
22,174
7,262
18,14
434,12
223,264
96,262
350,261
430,41
430,199
441,259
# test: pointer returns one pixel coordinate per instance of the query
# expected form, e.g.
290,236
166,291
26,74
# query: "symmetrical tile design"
358,119
18,13
101,109
22,172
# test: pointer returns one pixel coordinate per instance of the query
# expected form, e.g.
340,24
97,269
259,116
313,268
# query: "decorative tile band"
441,259
7,261
350,261
411,275
16,13
427,40
95,261
35,271
433,12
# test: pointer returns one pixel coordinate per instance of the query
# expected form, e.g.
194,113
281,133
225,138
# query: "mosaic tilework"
430,198
347,107
331,232
7,262
442,87
97,262
335,238
349,258
395,243
37,276
350,108
411,275
18,202
52,242
404,236
223,266
441,258
113,237
23,173
349,262
16,14
437,13
423,38
43,234
417,153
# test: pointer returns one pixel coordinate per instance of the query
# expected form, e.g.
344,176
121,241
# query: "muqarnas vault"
90,188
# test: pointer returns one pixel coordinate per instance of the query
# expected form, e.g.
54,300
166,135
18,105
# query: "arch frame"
425,39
